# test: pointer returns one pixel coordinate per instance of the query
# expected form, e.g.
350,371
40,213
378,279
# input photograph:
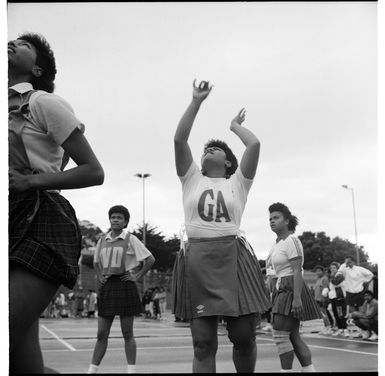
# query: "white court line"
152,348
58,338
346,350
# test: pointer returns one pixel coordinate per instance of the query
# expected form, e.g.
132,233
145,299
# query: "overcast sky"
305,72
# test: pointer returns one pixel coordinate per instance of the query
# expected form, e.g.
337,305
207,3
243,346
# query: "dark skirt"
217,277
44,236
116,297
283,299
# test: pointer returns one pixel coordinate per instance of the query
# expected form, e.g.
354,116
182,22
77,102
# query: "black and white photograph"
193,187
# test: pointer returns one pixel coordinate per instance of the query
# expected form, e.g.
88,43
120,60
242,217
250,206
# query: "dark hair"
121,210
319,267
369,292
349,257
279,207
229,154
335,263
45,59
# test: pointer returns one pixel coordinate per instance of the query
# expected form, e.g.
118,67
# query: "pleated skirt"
283,300
116,297
217,277
44,236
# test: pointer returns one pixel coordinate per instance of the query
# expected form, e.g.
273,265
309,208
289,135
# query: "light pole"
143,177
355,224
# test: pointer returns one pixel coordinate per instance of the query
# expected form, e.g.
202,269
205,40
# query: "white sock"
286,370
309,368
131,368
93,368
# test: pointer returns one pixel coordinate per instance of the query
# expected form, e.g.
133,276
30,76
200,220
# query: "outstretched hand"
201,92
239,119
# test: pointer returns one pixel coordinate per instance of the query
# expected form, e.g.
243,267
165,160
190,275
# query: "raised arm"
250,156
183,156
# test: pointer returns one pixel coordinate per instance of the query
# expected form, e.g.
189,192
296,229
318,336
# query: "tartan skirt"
44,236
283,299
217,277
116,297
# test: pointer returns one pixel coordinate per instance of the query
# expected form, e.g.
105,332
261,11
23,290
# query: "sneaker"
373,337
337,333
346,333
365,334
327,330
267,327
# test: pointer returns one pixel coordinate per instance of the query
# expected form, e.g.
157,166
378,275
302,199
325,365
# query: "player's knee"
128,335
242,340
204,349
102,335
282,341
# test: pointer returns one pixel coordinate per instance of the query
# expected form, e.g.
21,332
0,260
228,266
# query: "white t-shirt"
355,277
213,206
284,251
136,251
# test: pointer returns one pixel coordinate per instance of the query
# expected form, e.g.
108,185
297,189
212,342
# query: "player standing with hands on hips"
117,259
218,273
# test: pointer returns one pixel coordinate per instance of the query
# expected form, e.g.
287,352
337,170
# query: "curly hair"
45,60
282,208
121,210
229,155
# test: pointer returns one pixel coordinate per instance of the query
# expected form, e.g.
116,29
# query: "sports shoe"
365,334
373,337
346,333
267,327
337,333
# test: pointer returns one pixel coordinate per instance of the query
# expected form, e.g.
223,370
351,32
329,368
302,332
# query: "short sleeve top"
213,206
282,252
51,120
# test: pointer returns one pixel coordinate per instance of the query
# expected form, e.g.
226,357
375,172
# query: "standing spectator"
321,290
151,302
366,317
356,280
162,303
155,298
337,298
92,296
62,305
79,299
71,304
146,299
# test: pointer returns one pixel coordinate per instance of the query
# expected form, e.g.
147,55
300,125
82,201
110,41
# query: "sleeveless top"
112,255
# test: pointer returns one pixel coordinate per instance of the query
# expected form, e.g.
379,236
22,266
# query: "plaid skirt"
283,299
117,297
44,236
217,277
